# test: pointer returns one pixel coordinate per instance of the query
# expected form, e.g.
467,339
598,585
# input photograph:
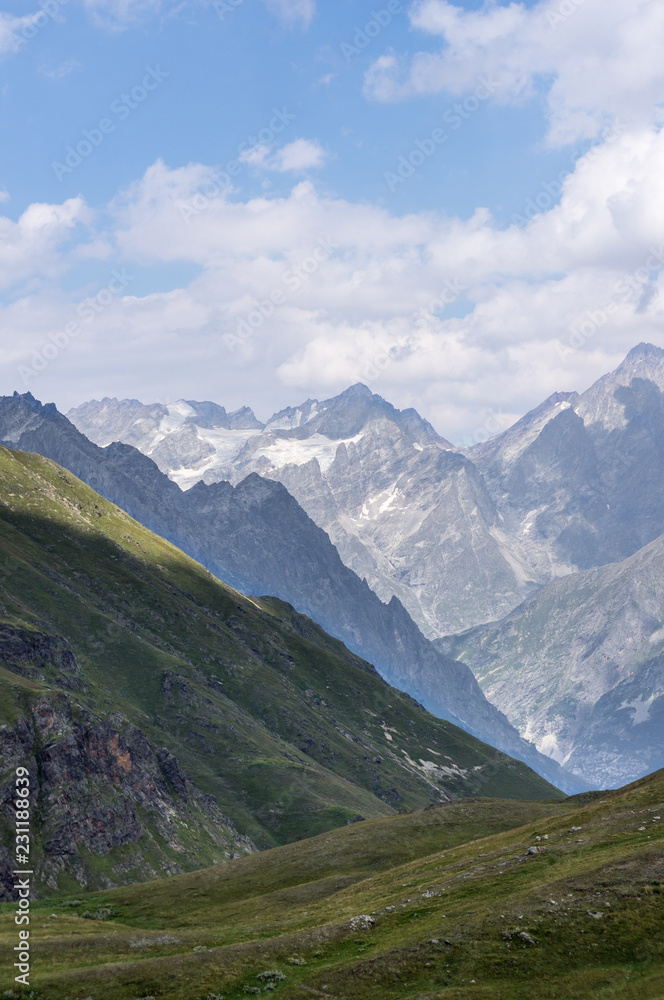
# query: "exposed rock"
363,922
39,656
95,789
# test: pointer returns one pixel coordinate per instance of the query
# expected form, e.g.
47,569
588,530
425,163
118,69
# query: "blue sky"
513,97
224,78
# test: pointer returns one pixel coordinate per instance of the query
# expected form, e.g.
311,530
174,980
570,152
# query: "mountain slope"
579,668
160,712
568,905
257,538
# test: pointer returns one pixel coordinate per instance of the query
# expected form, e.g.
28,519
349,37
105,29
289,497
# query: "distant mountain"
461,537
579,668
406,511
165,719
256,538
579,482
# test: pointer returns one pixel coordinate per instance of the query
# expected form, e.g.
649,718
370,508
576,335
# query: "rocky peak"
209,415
350,413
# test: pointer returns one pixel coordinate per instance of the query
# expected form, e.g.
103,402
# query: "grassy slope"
280,722
289,909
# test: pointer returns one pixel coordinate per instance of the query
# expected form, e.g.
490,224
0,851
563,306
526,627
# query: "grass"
448,908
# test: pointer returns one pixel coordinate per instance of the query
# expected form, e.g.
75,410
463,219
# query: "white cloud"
595,58
15,31
293,10
351,314
299,155
33,246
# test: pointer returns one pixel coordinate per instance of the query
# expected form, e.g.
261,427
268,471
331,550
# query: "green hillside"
440,915
168,717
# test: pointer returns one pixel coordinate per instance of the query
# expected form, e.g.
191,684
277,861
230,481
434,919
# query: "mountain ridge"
258,539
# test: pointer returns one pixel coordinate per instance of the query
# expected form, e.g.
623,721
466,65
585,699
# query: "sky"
262,201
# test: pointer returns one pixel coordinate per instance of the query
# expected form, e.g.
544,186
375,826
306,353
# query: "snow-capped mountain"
460,537
579,481
405,510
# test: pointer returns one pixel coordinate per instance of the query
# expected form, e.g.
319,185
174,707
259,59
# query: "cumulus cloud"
299,155
594,58
34,245
304,294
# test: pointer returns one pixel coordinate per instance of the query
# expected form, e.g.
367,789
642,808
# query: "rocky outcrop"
39,657
98,786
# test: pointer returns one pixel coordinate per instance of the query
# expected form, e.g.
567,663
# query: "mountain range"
460,536
467,538
168,722
256,537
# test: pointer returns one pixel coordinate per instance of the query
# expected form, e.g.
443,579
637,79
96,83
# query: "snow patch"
640,707
286,451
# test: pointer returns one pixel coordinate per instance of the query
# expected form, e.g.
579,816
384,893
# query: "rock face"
578,667
580,481
96,786
26,652
257,538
